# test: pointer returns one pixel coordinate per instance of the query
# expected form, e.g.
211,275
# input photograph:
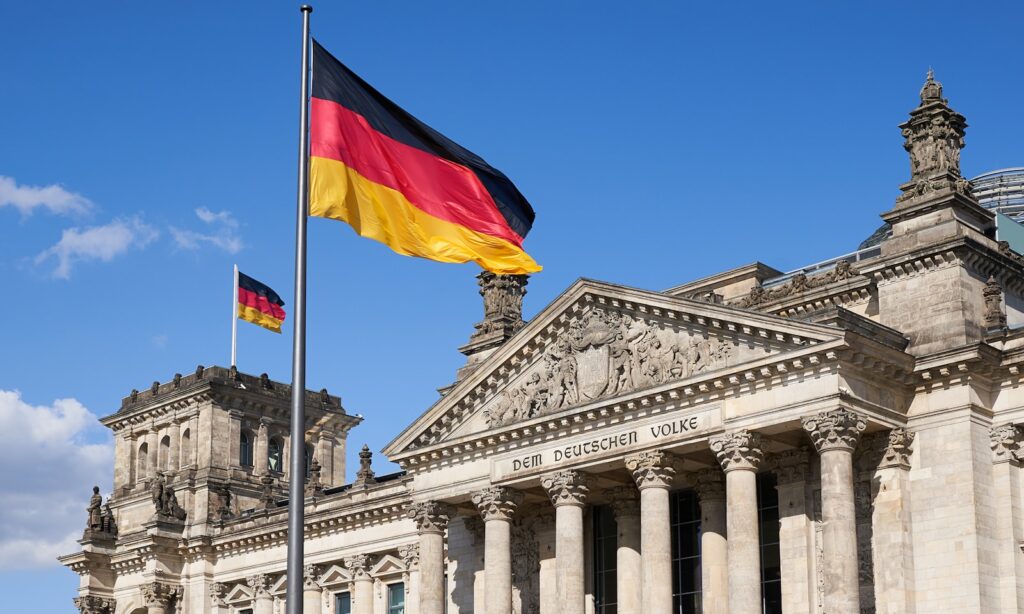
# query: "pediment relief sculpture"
605,354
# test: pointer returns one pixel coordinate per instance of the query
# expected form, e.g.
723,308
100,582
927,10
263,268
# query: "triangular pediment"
239,593
387,565
600,341
334,576
280,586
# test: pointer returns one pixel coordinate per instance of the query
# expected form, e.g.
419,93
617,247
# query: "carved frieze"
430,516
567,487
799,283
653,469
497,502
836,429
605,353
738,450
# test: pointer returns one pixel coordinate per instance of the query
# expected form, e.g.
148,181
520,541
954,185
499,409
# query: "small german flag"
258,304
398,181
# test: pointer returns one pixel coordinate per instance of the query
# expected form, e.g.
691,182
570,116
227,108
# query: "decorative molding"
566,487
1006,442
836,429
653,469
800,283
497,502
430,516
738,450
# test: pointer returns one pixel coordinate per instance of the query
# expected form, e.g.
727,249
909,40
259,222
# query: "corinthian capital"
260,585
624,501
1006,441
430,516
497,502
738,450
158,594
358,566
218,591
897,449
710,485
836,429
91,604
566,487
310,575
651,469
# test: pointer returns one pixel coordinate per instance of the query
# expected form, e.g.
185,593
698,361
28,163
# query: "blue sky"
146,148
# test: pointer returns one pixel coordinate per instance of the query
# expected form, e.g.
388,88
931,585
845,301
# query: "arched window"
164,454
142,461
274,455
185,450
245,449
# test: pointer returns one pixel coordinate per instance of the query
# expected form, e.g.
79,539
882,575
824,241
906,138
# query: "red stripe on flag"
251,299
441,188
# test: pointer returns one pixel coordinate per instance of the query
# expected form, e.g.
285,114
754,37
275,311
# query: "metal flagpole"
234,320
298,422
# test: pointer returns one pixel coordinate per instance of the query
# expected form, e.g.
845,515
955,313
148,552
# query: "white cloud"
51,469
103,243
54,198
224,236
160,341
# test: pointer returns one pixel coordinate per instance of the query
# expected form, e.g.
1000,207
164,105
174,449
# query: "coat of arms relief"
603,354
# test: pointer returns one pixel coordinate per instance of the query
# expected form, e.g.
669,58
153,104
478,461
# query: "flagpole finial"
305,8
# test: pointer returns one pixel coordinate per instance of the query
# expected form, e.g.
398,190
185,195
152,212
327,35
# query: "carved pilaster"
1006,442
566,487
260,585
995,317
218,591
90,604
897,449
311,576
430,516
836,429
624,501
791,466
738,450
410,555
497,502
358,566
159,594
709,485
651,469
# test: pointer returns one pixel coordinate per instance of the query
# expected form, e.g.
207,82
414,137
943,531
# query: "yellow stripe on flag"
383,214
257,317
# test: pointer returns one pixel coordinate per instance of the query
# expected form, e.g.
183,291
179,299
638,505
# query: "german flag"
398,181
258,304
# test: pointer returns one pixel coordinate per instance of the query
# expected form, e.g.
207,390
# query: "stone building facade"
841,439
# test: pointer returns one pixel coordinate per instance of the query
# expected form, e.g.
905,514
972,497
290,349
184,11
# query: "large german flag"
398,181
258,304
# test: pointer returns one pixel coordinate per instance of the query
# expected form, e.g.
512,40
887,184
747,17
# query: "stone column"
263,601
740,453
218,592
1007,443
497,505
193,428
794,531
362,592
835,434
90,604
568,491
431,518
410,555
714,554
153,448
653,473
892,545
158,596
628,565
312,592
174,434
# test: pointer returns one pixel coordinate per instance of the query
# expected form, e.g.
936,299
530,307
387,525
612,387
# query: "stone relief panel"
606,353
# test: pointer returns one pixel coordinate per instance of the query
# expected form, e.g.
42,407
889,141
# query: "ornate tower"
503,317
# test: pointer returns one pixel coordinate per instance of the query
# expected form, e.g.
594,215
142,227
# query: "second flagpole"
297,470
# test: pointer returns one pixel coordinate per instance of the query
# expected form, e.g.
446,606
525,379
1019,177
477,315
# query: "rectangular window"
605,547
771,569
342,603
245,611
686,582
396,598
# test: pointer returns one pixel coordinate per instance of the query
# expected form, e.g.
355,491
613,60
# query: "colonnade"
730,541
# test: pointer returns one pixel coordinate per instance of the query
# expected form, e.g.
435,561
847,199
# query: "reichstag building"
839,439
